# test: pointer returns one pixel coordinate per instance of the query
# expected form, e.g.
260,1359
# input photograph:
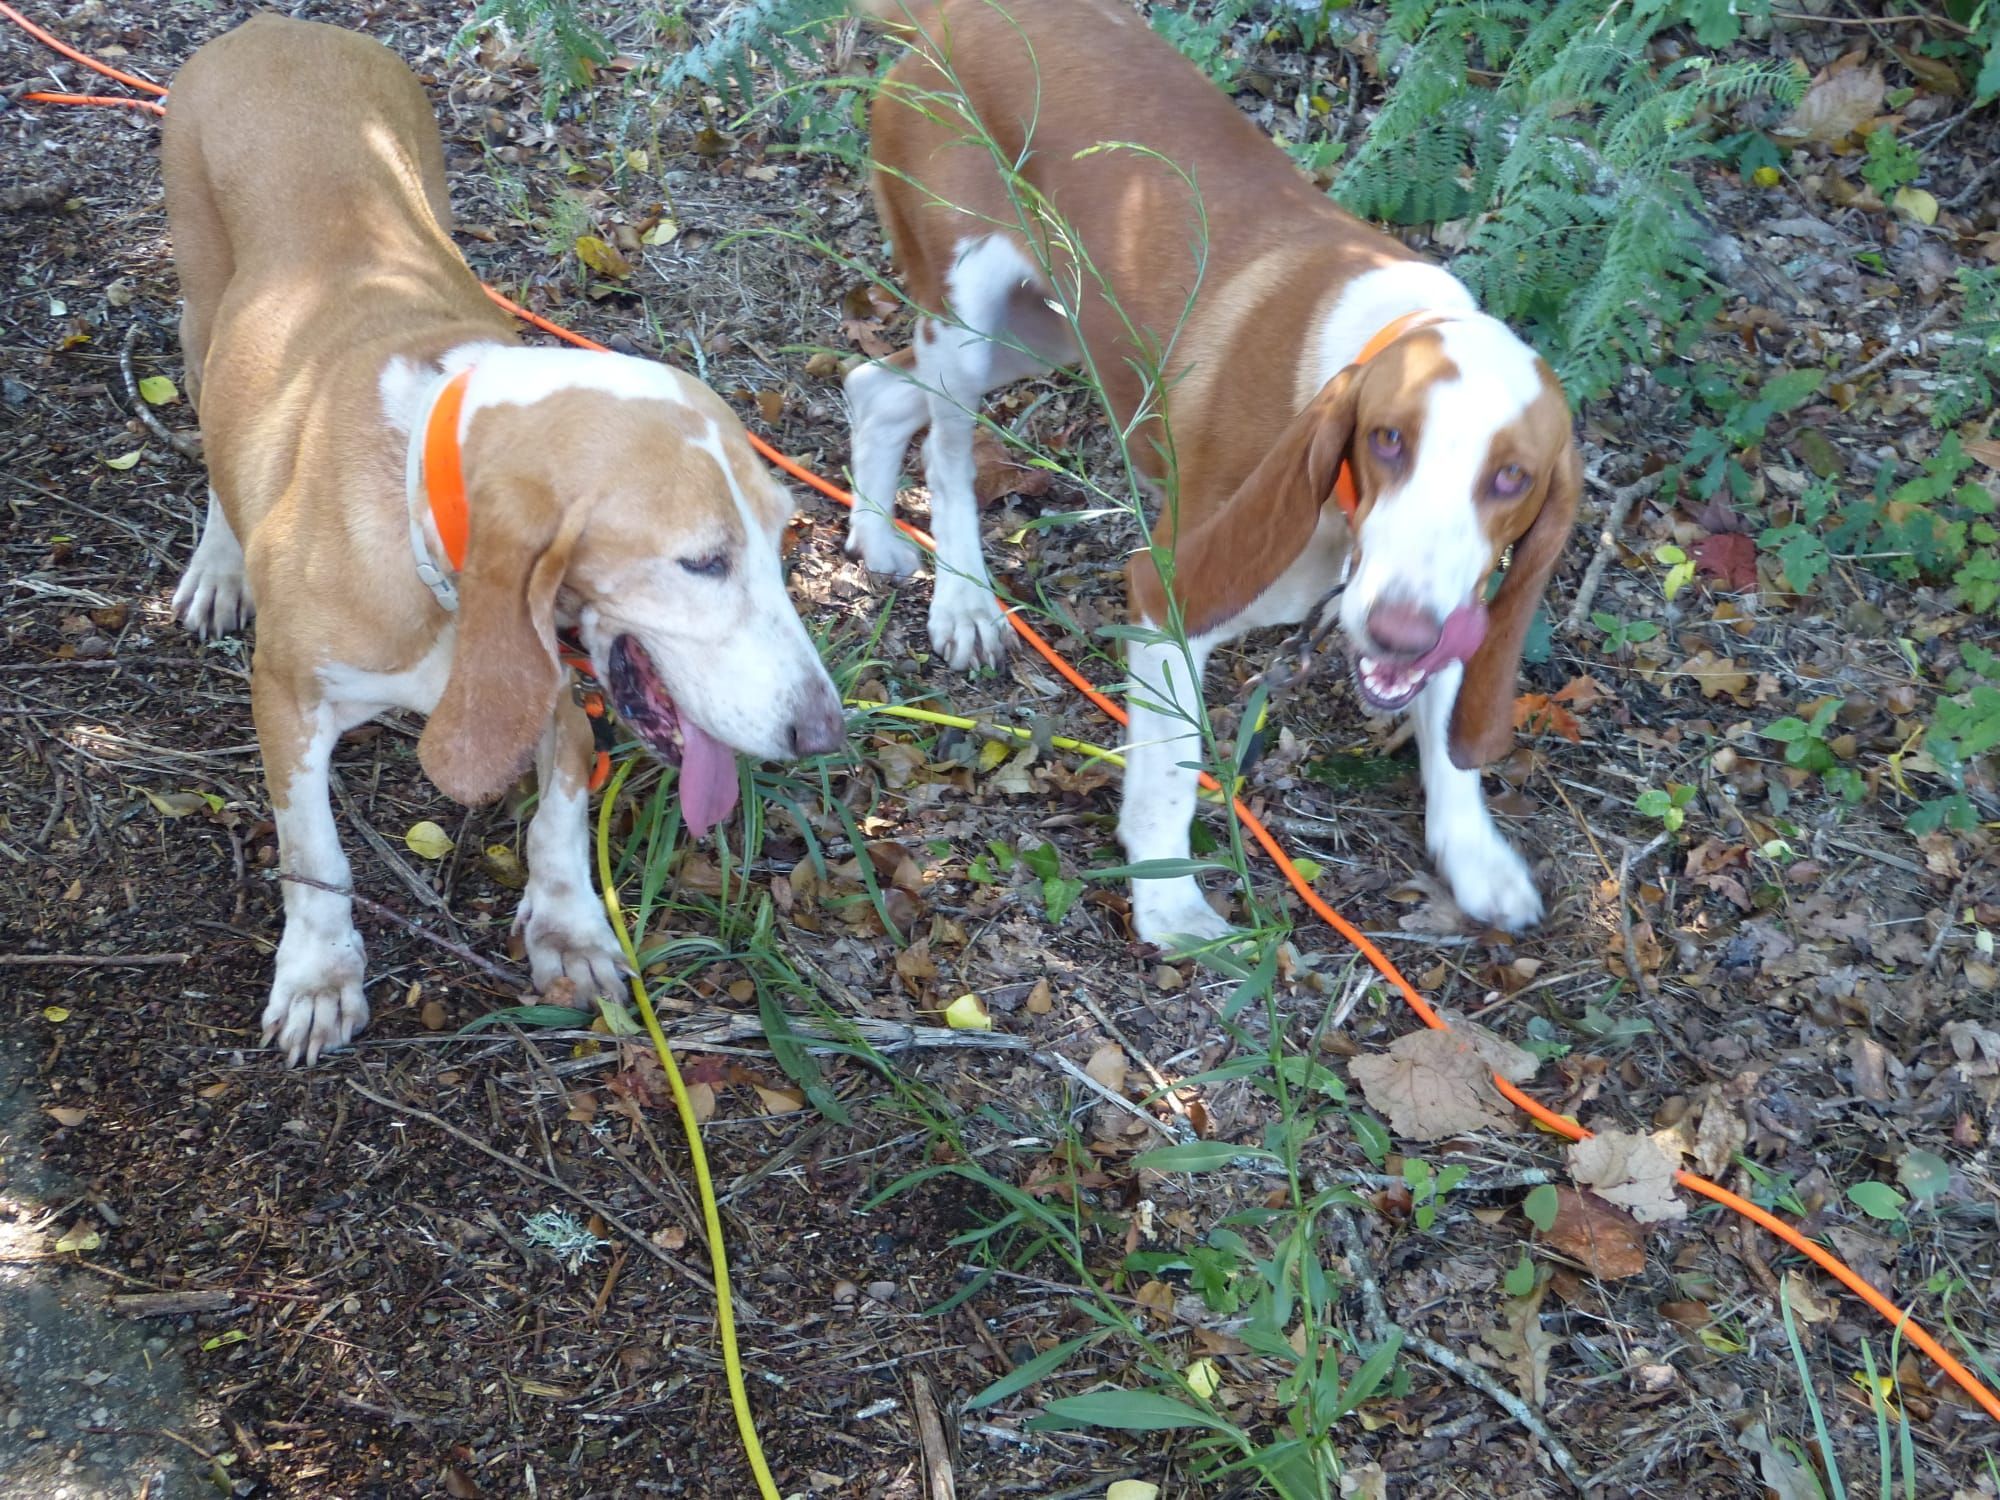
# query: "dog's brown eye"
1387,442
1510,481
715,565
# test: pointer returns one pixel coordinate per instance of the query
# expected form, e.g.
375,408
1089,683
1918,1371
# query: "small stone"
882,1291
1167,978
844,1293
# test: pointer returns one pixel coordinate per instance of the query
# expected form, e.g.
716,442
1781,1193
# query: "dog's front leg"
1489,880
1162,774
561,922
316,1000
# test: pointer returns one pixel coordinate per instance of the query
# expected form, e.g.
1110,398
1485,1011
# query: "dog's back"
306,196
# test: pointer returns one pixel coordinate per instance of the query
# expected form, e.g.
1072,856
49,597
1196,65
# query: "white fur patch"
1362,307
510,375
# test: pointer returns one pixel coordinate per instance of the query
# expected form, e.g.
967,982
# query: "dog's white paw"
1489,879
873,537
968,627
567,936
1172,913
316,1001
214,594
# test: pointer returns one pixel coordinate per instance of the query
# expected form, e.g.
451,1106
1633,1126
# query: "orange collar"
435,476
1345,490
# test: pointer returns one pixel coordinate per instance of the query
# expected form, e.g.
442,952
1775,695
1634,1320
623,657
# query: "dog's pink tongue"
1464,628
708,779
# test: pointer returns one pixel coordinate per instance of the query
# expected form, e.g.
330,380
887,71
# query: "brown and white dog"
346,368
1215,293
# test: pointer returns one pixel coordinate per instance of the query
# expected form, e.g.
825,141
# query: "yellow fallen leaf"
636,159
603,257
1767,177
428,841
1132,1489
176,804
79,1238
1917,203
992,753
157,390
968,1013
662,233
124,460
55,1013
1203,1378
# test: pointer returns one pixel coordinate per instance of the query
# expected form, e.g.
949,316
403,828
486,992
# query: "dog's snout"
819,727
1403,628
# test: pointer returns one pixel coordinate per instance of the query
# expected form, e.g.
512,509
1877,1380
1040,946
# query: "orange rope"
77,57
1561,1124
149,105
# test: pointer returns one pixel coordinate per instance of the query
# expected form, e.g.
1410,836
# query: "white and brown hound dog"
1286,346
412,503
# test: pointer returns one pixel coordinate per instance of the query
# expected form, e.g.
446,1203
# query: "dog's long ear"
1482,720
505,671
1246,543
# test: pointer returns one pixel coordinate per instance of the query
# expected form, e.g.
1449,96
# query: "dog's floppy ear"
505,671
1482,720
1246,543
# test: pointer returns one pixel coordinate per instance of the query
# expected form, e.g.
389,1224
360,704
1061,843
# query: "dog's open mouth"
708,767
1388,685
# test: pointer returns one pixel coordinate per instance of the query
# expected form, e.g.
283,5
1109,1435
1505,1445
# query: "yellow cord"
984,726
725,1315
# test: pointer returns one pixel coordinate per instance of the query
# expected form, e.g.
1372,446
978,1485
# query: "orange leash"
1898,1317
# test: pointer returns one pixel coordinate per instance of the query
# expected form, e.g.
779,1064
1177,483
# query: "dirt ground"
362,1308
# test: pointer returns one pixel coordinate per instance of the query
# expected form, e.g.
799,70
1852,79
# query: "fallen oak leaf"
603,257
1730,556
1537,713
1437,1084
1714,675
1636,1172
1523,1343
1600,1237
1840,100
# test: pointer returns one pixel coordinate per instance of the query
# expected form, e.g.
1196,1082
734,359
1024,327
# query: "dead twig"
1894,349
939,1481
186,447
1617,515
1381,1328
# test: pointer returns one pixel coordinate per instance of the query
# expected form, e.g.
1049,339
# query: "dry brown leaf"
1715,675
1636,1172
779,1101
63,1114
1721,1134
1603,1239
1041,999
1521,1341
1107,1067
1840,101
1807,1305
1976,1047
1436,1084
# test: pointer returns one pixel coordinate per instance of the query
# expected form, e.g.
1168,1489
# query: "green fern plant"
1970,369
775,31
565,49
1546,125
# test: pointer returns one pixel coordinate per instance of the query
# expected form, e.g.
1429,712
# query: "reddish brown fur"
1254,456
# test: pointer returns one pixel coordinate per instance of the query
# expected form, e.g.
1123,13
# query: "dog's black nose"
819,728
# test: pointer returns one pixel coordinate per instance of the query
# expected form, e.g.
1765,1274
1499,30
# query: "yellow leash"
983,726
725,1313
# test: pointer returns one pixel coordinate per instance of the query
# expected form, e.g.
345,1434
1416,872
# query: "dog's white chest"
361,694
